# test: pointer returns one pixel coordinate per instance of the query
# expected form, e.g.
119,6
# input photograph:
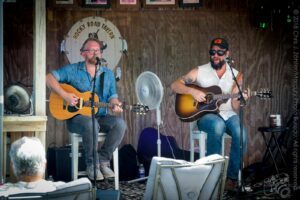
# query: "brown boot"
231,185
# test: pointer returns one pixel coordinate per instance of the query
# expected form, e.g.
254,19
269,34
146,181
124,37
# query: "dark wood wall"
168,42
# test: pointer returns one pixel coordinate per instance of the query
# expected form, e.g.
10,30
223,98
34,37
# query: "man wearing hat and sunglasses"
217,73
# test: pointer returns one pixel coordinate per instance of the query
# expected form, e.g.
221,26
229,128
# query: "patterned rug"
136,191
128,191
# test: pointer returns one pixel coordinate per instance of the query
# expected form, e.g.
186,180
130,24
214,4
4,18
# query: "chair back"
80,189
179,179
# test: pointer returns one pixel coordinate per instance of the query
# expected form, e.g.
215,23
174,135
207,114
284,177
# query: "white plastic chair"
179,179
74,190
200,136
75,140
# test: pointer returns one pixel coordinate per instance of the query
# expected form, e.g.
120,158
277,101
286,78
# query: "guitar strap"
101,83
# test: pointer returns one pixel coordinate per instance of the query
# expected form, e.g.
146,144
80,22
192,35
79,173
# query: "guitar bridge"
80,103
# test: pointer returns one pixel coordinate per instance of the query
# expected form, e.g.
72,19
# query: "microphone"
229,60
119,73
99,60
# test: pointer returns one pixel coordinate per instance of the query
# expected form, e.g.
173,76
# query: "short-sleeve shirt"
77,76
207,77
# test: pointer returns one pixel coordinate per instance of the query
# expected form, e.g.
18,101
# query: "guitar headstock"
139,109
264,93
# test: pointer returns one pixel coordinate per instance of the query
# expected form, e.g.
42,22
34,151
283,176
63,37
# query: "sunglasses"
219,52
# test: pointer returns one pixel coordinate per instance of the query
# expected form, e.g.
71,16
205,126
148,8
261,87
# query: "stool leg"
192,148
75,149
280,152
202,144
269,150
223,144
116,167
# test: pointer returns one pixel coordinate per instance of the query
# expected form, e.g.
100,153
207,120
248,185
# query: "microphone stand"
92,99
241,115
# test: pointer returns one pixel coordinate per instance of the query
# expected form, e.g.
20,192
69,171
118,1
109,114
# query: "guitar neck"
97,104
225,96
105,105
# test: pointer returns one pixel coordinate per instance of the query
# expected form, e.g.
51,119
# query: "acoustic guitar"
61,110
188,109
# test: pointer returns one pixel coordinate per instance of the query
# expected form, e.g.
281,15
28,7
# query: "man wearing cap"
81,76
217,73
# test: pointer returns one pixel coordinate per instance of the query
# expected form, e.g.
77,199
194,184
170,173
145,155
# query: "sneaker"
106,171
90,172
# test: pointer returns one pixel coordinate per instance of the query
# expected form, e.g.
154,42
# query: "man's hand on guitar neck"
117,106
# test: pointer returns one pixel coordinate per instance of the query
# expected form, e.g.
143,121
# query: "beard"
92,60
217,66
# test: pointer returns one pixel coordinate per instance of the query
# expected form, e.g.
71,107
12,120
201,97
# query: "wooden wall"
168,42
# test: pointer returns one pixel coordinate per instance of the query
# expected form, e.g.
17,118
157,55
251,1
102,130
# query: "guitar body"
188,109
61,110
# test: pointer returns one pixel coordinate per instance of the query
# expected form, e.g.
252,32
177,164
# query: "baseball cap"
221,42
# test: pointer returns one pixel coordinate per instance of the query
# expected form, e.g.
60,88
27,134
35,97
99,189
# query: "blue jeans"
114,126
215,127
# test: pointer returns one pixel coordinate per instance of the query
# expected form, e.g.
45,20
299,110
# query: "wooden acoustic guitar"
188,109
61,110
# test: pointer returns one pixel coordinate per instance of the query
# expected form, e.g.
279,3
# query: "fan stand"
149,92
158,121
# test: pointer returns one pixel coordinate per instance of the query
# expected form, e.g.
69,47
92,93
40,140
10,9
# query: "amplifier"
59,163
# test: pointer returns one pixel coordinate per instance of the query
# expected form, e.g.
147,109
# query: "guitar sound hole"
72,109
209,98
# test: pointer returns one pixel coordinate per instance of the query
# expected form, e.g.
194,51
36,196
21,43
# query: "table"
279,131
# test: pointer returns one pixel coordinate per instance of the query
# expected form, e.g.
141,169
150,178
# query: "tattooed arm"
179,85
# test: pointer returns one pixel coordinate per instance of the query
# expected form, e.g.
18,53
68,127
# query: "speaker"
59,163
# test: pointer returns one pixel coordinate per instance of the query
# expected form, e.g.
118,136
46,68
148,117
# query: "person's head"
219,50
92,48
28,158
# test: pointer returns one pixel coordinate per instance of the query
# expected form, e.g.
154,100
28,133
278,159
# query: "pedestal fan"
150,92
17,100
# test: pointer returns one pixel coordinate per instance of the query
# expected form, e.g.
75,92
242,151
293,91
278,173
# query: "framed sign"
96,3
160,2
157,4
101,29
190,3
128,2
64,1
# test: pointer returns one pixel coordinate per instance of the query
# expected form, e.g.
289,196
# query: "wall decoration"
64,1
128,2
96,3
160,2
96,27
190,3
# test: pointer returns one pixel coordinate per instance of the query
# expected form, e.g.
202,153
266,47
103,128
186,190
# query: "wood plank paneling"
170,43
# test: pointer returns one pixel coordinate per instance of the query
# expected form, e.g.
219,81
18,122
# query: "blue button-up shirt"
77,76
